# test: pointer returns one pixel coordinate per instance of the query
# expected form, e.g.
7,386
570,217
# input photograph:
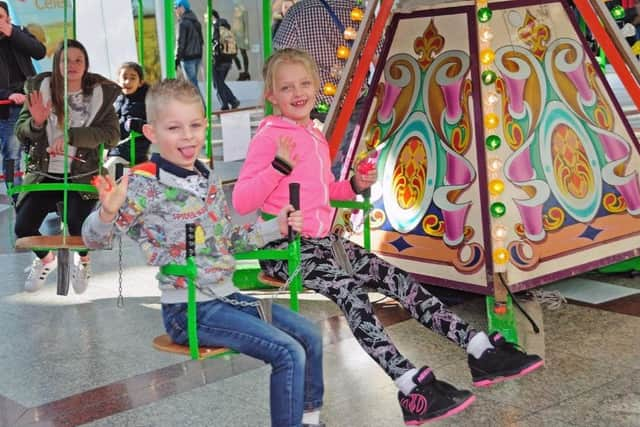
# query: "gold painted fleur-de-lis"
535,35
429,45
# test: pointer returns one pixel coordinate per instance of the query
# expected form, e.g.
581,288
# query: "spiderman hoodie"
161,199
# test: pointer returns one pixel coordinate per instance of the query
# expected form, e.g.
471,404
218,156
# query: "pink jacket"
260,186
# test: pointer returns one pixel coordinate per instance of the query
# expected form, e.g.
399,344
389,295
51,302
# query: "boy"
153,205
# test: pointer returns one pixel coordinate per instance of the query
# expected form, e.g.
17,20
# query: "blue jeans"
292,345
9,144
190,68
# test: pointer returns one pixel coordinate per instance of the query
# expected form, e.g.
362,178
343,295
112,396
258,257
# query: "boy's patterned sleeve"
99,235
95,233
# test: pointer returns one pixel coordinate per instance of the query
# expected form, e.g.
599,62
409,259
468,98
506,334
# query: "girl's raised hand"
39,111
290,217
365,180
112,195
285,150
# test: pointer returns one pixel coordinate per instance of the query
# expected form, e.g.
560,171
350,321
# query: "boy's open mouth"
188,151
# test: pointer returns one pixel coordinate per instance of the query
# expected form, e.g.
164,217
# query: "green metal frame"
503,323
190,272
141,33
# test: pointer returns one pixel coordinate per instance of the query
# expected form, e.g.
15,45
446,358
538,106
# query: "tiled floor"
81,360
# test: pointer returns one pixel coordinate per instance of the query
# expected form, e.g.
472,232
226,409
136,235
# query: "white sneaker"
80,274
38,274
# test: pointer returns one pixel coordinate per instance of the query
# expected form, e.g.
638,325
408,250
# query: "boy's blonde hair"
167,90
288,55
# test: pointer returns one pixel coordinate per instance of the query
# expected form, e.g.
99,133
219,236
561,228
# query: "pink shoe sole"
528,370
454,411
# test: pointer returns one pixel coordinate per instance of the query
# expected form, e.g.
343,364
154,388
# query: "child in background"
287,148
40,127
131,115
153,205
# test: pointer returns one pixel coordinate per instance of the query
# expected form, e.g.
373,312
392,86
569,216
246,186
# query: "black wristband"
281,166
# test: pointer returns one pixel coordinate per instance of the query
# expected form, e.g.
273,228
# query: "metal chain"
120,299
281,289
57,178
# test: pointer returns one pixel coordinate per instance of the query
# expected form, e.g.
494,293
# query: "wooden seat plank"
267,280
51,242
164,343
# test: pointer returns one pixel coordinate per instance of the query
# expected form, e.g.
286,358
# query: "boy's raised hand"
112,195
285,150
288,216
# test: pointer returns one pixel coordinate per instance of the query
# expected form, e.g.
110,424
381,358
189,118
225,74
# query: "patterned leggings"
322,274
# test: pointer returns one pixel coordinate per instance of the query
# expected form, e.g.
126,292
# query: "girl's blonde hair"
288,55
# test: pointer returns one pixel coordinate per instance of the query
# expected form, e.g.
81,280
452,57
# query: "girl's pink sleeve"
257,178
341,190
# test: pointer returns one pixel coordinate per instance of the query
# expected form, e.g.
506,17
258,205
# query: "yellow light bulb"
357,14
500,256
491,121
329,89
487,56
496,186
343,52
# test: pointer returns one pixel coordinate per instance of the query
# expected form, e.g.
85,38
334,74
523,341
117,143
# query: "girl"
131,115
291,82
40,128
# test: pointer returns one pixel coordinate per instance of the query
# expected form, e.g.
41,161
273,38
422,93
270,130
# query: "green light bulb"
488,77
493,142
322,107
498,209
618,12
484,14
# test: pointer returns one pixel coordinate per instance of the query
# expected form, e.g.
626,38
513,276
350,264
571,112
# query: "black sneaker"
432,399
504,362
234,104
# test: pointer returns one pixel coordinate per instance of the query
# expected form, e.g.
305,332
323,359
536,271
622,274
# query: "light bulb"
487,56
500,256
492,98
496,186
494,164
486,35
499,232
491,120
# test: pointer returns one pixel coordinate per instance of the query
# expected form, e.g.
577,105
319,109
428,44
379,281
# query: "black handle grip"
191,239
294,200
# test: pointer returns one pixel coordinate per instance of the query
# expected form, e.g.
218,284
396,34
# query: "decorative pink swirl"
579,78
391,93
515,93
451,93
520,172
459,176
618,153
